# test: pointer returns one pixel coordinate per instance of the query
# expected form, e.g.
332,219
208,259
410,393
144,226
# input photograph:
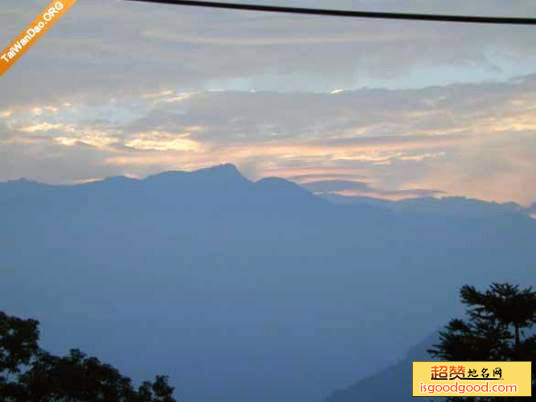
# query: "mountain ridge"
228,173
243,291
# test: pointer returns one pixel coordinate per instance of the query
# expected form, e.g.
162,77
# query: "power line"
349,13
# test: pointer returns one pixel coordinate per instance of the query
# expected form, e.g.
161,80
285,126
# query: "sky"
389,109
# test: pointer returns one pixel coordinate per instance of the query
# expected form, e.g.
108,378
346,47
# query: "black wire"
349,13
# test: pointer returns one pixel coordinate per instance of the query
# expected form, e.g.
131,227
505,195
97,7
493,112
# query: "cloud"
454,138
336,186
357,189
156,141
135,89
41,127
113,48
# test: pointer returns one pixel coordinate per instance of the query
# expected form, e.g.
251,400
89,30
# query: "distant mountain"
245,291
392,384
444,206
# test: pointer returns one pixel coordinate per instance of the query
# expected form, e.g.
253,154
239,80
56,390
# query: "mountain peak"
280,183
23,183
22,180
227,169
223,171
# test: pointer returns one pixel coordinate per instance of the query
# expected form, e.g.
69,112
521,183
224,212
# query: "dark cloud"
356,188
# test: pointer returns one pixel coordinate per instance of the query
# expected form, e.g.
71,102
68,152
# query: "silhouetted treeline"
30,374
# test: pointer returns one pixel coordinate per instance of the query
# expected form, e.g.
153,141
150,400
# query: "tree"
18,345
30,374
496,329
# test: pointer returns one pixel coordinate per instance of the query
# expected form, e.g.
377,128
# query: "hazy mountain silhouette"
392,384
240,290
445,206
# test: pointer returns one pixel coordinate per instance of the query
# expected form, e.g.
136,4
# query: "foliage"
30,374
496,329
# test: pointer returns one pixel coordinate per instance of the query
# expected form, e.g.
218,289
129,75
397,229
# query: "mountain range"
246,291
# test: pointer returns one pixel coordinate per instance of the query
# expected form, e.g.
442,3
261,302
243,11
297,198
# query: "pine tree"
496,329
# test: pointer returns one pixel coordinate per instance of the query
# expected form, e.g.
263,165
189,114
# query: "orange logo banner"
33,32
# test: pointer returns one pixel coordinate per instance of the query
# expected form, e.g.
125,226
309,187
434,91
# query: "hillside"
392,384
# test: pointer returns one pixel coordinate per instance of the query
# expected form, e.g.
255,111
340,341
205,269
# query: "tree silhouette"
18,346
30,374
496,329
